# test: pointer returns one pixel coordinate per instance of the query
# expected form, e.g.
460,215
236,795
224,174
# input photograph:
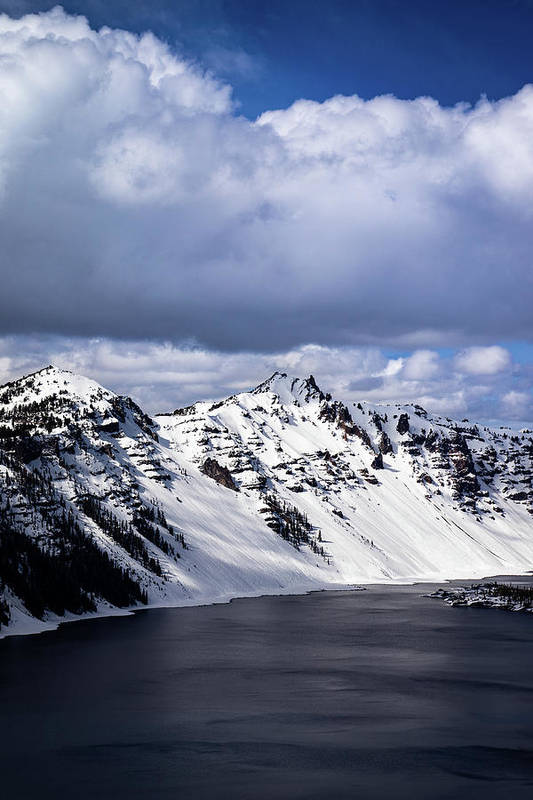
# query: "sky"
195,193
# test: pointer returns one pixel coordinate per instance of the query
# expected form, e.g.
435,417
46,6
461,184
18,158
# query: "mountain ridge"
282,488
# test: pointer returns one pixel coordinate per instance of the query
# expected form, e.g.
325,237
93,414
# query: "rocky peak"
290,389
55,399
269,385
53,381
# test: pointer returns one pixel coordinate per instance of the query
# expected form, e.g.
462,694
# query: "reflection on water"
373,694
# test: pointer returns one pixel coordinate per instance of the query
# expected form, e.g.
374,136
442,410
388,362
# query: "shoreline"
32,627
489,594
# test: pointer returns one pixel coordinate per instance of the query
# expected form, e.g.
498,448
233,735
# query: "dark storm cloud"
135,203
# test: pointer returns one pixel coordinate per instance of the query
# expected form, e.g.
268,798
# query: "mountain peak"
289,388
52,368
51,380
270,383
53,372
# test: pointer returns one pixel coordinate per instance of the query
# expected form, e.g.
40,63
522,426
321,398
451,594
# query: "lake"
375,694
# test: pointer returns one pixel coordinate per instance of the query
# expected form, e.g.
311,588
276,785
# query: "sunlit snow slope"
275,490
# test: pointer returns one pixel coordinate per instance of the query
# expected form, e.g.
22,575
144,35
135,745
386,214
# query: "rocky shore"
489,595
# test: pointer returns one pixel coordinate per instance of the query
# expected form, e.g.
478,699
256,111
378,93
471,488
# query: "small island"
489,595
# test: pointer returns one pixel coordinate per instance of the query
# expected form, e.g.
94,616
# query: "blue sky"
274,52
289,183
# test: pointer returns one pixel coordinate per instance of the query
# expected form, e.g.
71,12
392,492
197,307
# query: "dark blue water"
376,694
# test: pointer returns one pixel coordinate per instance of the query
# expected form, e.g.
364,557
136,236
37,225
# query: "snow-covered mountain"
280,489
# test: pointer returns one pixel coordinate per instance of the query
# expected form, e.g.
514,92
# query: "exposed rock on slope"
220,474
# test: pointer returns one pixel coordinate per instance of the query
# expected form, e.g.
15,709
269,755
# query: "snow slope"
281,489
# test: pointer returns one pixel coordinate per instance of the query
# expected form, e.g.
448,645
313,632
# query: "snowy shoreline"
487,595
23,625
29,626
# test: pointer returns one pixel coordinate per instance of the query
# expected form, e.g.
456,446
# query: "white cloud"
162,376
483,360
423,364
135,202
517,405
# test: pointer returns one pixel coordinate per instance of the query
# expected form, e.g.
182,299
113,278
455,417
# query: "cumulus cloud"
135,202
517,405
163,376
483,360
421,365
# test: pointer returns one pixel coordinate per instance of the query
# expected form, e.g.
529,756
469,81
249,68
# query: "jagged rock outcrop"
218,473
338,414
377,462
403,423
464,478
385,444
376,419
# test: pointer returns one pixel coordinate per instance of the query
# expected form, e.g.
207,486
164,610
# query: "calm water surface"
375,694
